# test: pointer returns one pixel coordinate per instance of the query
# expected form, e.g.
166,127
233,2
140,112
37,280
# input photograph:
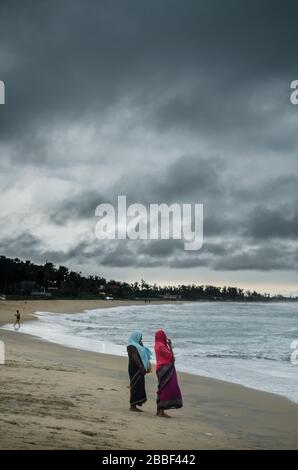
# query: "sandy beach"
54,397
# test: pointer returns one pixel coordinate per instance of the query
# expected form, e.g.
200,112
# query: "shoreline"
115,356
62,394
56,306
71,306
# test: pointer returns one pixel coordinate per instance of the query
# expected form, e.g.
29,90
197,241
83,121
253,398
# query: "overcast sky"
163,101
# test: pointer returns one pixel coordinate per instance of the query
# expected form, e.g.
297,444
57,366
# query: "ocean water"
245,343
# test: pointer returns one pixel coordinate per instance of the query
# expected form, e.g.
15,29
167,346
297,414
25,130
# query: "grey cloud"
77,207
187,102
262,258
23,245
28,246
266,223
272,191
190,178
92,56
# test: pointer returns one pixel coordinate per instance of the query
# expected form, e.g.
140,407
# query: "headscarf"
144,352
162,351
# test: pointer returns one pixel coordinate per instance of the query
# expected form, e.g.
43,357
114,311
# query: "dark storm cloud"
189,179
80,206
266,223
212,72
271,191
24,245
177,61
142,253
235,226
146,254
262,258
159,254
28,246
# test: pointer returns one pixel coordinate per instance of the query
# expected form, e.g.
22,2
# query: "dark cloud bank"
164,102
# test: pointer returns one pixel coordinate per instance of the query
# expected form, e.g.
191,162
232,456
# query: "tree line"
24,278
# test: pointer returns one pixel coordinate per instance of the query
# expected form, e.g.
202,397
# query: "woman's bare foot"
134,408
162,414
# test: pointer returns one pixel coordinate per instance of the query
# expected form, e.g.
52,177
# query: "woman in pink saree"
168,393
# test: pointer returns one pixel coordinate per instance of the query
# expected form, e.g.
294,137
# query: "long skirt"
137,386
168,393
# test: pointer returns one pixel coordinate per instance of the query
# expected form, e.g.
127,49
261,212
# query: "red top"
163,353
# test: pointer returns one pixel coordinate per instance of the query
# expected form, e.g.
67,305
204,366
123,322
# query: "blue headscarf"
145,353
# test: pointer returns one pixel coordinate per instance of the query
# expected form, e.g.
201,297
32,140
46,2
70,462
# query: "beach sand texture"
52,397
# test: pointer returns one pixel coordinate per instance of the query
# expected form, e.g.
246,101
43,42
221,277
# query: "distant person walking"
17,323
138,366
168,393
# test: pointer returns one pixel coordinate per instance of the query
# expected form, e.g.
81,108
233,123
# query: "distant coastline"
21,280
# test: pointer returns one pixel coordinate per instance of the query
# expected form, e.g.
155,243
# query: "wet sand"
52,397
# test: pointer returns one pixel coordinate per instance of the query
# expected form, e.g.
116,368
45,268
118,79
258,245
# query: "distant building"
41,293
171,297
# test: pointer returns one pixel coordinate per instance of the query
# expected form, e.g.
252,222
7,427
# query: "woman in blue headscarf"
138,366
